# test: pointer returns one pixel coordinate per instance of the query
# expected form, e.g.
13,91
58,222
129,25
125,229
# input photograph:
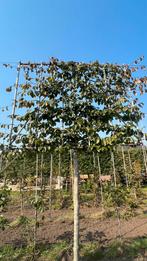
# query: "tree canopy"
78,105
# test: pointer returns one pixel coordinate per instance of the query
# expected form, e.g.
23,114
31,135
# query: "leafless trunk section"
41,171
50,181
76,207
101,186
144,158
94,162
124,165
130,161
113,166
22,187
71,169
36,199
59,171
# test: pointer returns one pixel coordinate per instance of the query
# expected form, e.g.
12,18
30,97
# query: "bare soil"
57,225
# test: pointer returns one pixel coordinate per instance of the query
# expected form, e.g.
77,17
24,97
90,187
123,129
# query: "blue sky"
107,30
83,30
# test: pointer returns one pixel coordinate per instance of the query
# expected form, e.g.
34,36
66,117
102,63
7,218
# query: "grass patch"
96,215
67,216
86,197
137,246
116,251
144,190
54,252
43,253
9,253
90,252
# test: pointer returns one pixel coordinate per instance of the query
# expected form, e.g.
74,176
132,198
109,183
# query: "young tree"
87,99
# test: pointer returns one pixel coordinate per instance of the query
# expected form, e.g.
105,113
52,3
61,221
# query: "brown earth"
57,225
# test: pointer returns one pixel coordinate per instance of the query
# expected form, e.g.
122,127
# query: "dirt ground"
57,225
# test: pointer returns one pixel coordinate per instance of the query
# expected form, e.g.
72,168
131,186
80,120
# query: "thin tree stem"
51,177
101,186
114,170
124,165
42,158
36,198
76,207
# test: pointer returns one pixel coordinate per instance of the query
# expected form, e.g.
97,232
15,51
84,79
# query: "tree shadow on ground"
67,235
95,236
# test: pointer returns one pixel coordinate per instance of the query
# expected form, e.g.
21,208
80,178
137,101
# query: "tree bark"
71,170
41,174
144,158
76,207
101,186
36,198
124,164
114,171
22,187
51,177
59,171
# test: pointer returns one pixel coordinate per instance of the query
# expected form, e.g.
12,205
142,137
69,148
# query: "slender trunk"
145,153
6,171
119,223
130,165
144,158
101,186
21,188
22,198
41,177
36,198
95,179
114,170
135,195
71,170
59,173
1,160
94,162
76,207
51,177
130,161
124,165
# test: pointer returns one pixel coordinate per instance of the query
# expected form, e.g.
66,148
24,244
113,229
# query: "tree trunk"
76,207
36,198
124,164
22,187
119,223
51,177
59,171
144,158
94,163
1,160
71,170
95,179
130,161
101,186
41,177
114,171
130,165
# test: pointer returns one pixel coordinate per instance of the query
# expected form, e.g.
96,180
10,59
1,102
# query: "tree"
87,99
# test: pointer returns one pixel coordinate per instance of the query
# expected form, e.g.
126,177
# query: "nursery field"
73,163
100,238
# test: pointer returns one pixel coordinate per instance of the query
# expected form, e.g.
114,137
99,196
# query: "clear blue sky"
107,30
85,30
